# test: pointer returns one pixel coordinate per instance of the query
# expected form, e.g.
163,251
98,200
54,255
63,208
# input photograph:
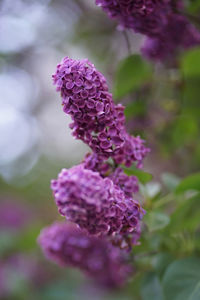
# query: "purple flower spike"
168,30
96,204
177,35
69,246
97,121
85,97
143,16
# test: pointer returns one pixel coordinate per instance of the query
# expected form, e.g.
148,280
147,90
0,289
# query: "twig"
127,41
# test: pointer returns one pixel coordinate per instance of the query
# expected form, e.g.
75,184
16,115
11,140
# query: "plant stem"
127,41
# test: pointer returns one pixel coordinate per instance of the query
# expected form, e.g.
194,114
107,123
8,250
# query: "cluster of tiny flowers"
68,245
96,195
119,8
177,34
159,20
97,121
128,184
144,16
133,150
96,204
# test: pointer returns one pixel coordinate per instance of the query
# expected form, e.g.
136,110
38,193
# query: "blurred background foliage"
162,105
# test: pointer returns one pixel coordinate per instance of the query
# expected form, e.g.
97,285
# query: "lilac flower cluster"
133,150
144,16
68,245
97,121
96,195
96,204
128,184
177,34
160,20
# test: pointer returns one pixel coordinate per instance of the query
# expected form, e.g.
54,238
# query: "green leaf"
28,237
131,74
193,7
185,130
143,177
190,63
7,241
192,182
59,290
182,280
161,261
190,96
151,189
151,287
135,108
170,181
186,216
156,220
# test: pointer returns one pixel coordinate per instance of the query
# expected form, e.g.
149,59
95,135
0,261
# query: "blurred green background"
162,105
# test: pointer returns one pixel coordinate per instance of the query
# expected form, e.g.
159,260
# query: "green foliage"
190,70
182,280
132,73
194,6
190,96
151,287
170,180
7,241
160,262
171,232
186,216
143,177
28,237
190,63
156,220
135,108
191,182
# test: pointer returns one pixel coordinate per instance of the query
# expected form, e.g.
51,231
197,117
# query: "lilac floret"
128,184
68,245
133,150
96,204
93,162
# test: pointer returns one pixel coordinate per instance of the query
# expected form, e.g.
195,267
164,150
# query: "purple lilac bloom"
68,245
97,121
133,150
179,33
96,204
94,163
161,21
128,184
143,16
